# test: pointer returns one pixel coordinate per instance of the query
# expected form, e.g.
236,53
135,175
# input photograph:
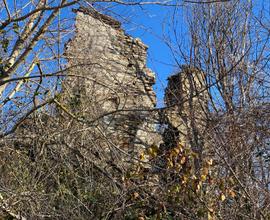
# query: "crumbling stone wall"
115,86
186,112
113,83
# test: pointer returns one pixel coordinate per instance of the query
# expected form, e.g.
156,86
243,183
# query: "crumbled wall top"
104,18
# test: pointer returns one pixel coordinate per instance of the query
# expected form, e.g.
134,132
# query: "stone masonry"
186,101
113,85
112,78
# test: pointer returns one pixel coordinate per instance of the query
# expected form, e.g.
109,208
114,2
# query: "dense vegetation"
57,163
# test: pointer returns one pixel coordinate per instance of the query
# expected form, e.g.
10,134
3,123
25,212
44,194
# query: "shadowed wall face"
186,100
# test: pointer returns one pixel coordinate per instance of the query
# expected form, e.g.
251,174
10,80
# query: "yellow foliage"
142,156
153,150
184,179
210,216
203,178
222,197
183,160
176,151
232,193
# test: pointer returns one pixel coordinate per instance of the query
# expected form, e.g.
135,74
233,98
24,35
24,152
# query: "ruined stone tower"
186,101
113,86
113,89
